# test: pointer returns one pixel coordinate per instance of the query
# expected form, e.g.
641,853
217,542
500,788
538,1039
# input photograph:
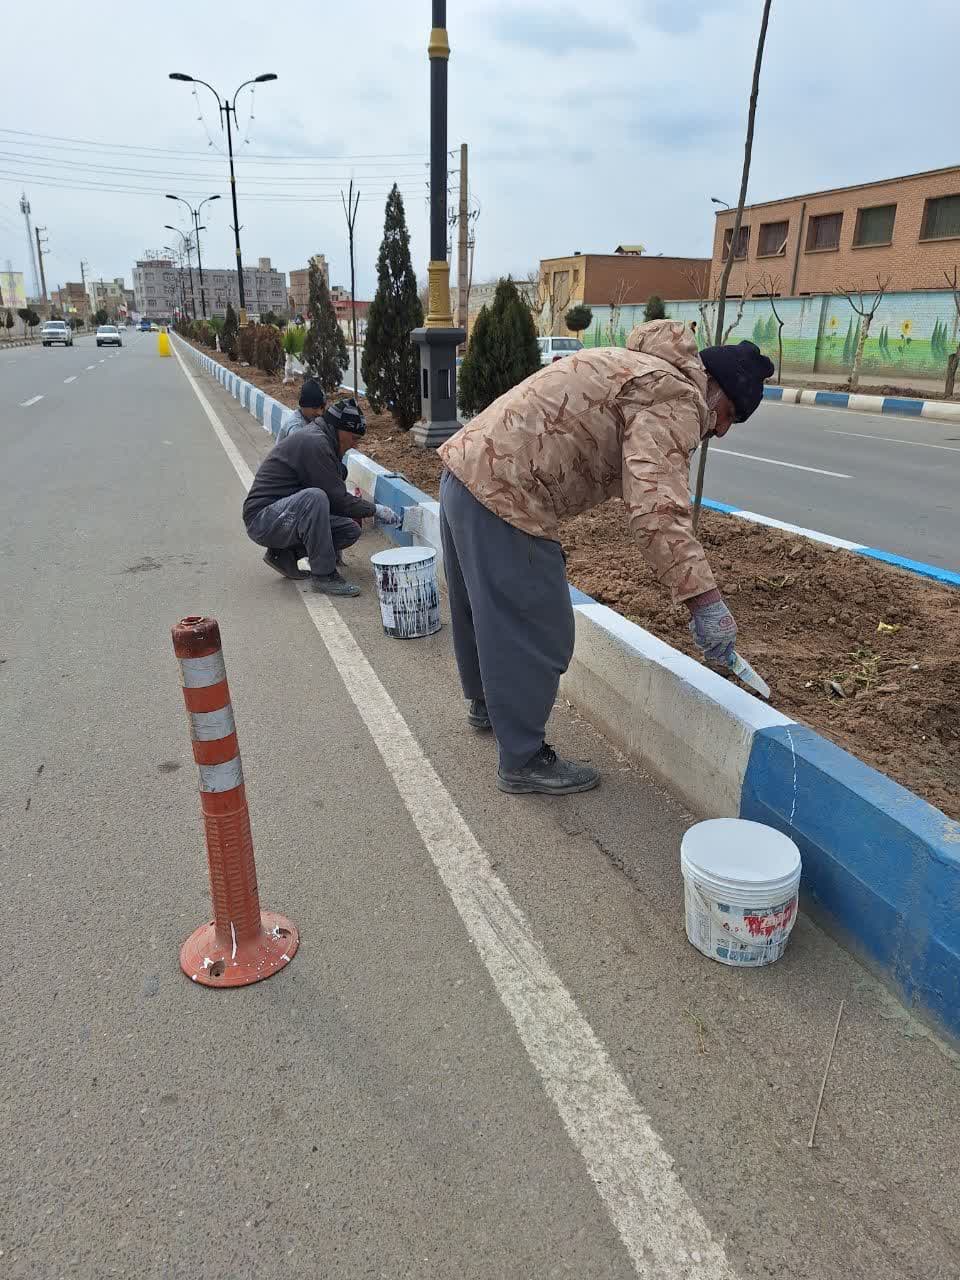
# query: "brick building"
905,229
299,291
620,279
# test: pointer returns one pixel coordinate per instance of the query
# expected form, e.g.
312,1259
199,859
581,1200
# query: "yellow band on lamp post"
439,46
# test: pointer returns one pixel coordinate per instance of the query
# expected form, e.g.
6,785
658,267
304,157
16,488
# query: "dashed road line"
73,379
25,404
91,366
921,444
776,462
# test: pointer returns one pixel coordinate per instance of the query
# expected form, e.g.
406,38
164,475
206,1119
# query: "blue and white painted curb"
881,867
902,406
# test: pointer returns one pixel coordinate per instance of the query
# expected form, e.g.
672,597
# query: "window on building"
823,231
941,218
875,226
576,276
743,241
772,240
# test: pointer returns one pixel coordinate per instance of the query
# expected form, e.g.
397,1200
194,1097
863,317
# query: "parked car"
56,331
108,335
144,326
553,349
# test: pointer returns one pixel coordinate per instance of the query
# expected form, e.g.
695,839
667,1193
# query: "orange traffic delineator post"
241,944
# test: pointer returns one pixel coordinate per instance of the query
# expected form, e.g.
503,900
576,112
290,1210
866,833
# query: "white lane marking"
656,1219
775,462
921,444
25,404
91,366
73,379
103,360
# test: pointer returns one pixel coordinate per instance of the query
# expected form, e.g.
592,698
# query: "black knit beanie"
739,371
311,395
346,415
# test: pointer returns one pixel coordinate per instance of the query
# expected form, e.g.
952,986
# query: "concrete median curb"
897,406
881,866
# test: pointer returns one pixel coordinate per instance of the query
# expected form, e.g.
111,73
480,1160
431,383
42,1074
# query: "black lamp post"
178,254
195,214
187,244
228,108
439,338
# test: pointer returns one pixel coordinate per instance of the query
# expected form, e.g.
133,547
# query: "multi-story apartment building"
156,286
111,295
904,230
299,291
161,288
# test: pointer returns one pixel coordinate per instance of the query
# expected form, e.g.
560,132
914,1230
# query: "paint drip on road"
407,588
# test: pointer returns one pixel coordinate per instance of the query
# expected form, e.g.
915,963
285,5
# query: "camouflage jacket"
605,423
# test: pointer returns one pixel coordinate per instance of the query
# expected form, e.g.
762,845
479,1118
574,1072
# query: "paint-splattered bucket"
740,886
407,587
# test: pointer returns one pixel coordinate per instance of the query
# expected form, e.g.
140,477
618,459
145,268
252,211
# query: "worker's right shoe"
284,560
549,775
477,715
332,584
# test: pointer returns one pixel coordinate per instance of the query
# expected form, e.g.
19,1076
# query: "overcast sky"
588,126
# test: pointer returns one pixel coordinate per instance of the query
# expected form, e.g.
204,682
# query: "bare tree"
708,308
857,297
738,219
770,288
954,357
620,291
549,297
350,206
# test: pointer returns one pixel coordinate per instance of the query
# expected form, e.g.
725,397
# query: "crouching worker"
299,505
604,423
311,405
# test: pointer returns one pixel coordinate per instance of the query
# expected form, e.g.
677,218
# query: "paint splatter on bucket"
407,588
740,883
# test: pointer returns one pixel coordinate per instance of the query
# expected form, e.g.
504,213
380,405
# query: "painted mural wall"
912,334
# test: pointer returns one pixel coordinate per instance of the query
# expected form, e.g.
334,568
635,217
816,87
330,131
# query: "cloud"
680,17
558,32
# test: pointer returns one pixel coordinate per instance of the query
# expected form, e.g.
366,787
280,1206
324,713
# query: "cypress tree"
325,348
391,362
503,350
229,338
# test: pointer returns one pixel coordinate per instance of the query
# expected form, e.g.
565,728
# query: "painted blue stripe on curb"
881,863
395,492
910,408
580,597
259,403
913,566
773,393
840,399
276,417
720,506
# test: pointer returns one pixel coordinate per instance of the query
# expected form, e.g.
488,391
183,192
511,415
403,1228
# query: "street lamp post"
178,254
228,108
439,338
186,247
195,214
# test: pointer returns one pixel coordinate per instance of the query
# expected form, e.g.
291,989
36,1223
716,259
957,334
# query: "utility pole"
25,210
43,278
438,339
83,277
462,230
350,206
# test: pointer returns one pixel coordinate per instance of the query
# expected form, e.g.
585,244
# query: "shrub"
294,337
248,343
229,336
503,350
654,310
269,350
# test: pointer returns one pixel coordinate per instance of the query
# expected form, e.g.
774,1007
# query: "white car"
56,331
553,349
108,335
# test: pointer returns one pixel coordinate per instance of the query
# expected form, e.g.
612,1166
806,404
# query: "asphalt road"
494,1055
884,481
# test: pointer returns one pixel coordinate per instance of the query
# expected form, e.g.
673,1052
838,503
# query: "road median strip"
897,406
881,865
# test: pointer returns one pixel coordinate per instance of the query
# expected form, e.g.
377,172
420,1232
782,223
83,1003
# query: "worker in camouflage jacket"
603,423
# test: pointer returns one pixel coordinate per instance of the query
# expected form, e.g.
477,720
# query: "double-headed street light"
228,108
187,244
195,214
178,254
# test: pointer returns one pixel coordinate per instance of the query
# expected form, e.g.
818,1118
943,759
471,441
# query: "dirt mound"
866,654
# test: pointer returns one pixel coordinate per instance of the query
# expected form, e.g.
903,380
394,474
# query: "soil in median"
864,653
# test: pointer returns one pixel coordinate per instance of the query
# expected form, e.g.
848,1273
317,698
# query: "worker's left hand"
387,515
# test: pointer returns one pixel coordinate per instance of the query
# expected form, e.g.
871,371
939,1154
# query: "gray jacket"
294,421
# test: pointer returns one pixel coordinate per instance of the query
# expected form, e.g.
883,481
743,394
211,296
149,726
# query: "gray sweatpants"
513,628
303,520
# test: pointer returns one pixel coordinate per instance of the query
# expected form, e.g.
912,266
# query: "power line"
167,175
45,180
202,155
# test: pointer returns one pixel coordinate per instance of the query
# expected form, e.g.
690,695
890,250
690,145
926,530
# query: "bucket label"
409,599
735,935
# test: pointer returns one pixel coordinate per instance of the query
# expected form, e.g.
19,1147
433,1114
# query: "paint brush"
743,671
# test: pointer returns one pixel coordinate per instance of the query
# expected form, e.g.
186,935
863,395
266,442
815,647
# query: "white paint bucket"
407,587
740,885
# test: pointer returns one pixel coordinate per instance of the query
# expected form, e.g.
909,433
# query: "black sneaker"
548,774
284,560
477,716
332,584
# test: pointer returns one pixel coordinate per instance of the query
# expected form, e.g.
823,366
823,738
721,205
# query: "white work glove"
387,515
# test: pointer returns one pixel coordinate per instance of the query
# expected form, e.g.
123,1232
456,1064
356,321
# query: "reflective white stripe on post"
221,777
208,726
197,673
